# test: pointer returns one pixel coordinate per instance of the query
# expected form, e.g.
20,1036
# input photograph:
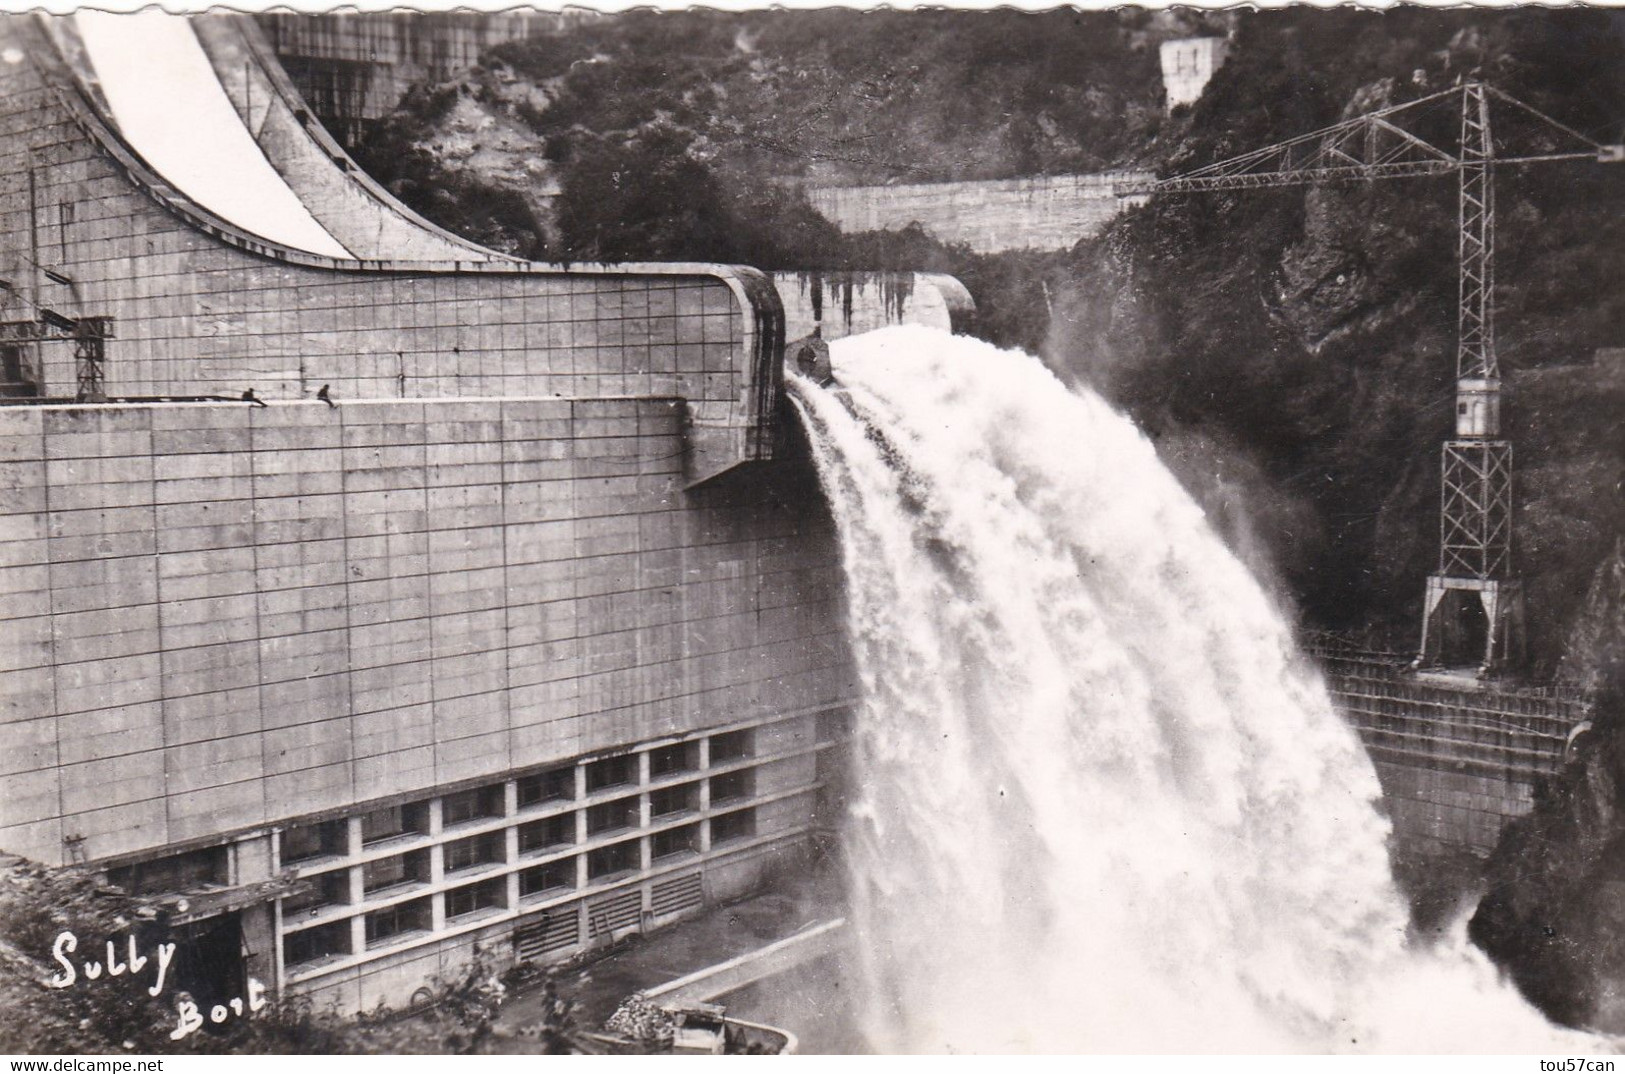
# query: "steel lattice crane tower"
1475,518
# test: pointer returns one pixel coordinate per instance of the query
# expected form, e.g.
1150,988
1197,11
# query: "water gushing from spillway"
1100,803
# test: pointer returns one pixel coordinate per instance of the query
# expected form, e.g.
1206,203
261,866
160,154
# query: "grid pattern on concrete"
215,610
561,857
1456,761
1437,811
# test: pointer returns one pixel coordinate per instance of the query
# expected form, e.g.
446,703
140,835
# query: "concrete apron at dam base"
739,948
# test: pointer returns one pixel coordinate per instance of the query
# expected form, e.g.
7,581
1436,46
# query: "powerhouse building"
373,600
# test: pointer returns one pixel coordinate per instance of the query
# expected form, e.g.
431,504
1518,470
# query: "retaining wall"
1044,213
1457,758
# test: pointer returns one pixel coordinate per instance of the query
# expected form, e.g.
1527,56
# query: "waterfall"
1100,802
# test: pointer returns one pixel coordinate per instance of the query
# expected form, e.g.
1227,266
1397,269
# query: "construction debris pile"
640,1020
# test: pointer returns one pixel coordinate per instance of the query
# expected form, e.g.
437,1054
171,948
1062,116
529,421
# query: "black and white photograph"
821,530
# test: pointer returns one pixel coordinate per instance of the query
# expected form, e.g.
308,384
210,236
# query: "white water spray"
1102,804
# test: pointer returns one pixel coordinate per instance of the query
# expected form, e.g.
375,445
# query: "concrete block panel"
303,746
105,832
117,687
383,774
297,670
31,747
29,694
204,812
212,762
402,729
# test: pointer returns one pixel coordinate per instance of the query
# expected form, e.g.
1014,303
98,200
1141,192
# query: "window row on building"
534,845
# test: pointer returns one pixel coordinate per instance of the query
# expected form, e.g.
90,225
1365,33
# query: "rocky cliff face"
1553,913
1594,657
677,134
1313,330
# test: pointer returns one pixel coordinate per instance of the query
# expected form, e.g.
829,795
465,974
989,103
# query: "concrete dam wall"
521,636
1044,213
1457,759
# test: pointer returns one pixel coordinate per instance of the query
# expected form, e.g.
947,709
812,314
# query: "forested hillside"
675,134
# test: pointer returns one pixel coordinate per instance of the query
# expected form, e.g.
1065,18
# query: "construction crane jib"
1473,609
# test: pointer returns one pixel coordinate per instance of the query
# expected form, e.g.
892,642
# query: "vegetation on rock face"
1312,332
844,96
1291,351
117,1015
1552,914
678,135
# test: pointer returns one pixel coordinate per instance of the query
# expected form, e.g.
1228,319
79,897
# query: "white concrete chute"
349,204
167,102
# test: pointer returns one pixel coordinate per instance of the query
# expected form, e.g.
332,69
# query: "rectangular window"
556,876
491,894
673,841
178,872
302,842
391,822
473,852
557,785
667,760
328,889
731,826
385,873
733,786
612,816
606,861
398,920
310,945
672,800
14,377
465,806
542,835
612,772
733,746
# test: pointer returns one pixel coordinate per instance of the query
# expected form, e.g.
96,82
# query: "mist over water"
1100,801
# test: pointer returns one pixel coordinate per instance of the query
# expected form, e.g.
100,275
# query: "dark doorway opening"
209,960
1464,629
16,380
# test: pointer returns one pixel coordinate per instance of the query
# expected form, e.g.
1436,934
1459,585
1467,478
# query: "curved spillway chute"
364,217
161,92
